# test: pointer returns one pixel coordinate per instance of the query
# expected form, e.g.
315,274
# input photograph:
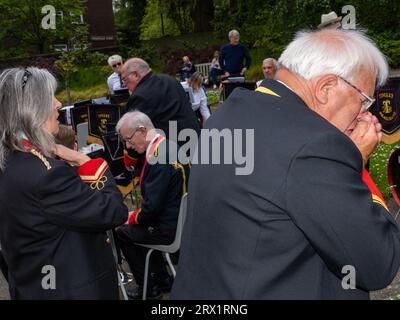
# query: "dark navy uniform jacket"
162,186
54,215
295,226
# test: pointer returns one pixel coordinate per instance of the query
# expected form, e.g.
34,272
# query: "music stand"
119,96
101,116
62,116
228,87
114,152
79,115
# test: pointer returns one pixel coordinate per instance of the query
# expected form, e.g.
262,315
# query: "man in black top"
232,55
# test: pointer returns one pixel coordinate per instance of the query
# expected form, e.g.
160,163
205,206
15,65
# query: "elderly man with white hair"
232,56
308,223
269,67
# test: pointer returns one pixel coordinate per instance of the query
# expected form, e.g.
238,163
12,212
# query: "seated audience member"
200,97
66,137
215,70
114,81
232,56
162,186
52,215
270,67
187,69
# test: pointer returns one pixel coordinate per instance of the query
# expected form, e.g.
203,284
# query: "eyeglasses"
366,104
128,139
127,77
117,64
27,75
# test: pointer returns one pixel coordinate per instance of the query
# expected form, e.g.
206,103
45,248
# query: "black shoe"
165,284
137,293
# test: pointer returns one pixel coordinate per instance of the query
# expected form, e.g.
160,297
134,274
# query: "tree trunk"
202,14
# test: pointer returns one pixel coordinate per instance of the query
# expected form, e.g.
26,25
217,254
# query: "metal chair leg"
146,273
119,269
171,266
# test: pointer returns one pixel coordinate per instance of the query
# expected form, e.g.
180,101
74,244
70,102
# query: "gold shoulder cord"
42,158
179,166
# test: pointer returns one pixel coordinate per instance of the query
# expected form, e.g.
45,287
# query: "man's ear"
324,86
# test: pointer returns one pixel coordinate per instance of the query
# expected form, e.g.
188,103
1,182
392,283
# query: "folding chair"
166,249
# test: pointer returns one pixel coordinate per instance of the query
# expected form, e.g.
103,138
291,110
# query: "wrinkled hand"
71,156
366,135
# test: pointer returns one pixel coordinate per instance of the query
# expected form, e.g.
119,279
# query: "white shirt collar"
151,143
286,85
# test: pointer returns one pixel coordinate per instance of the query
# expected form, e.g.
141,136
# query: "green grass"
378,167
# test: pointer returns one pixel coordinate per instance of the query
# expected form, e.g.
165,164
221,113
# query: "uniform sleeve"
328,200
158,183
85,200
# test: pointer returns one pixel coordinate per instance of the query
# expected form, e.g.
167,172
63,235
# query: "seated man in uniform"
162,185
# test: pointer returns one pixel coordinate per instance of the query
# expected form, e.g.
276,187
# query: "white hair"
339,52
233,33
114,59
137,64
276,64
26,96
133,120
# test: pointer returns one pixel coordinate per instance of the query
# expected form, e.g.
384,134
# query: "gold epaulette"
41,157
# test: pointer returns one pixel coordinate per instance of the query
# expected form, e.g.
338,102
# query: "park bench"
204,69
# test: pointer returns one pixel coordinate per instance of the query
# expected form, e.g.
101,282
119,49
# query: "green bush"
389,43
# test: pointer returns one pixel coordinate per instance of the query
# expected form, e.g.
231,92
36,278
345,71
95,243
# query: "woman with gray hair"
53,217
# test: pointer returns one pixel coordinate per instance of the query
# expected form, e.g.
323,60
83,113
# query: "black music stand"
79,114
114,152
228,87
102,117
119,96
62,116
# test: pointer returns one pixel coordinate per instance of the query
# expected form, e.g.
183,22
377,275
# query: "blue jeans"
212,76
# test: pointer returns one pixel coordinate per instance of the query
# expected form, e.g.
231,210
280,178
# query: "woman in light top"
199,106
215,70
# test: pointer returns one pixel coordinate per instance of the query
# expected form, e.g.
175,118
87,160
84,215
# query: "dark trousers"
213,75
135,255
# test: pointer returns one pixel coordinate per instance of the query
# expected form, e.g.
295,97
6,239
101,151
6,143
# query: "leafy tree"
21,23
128,19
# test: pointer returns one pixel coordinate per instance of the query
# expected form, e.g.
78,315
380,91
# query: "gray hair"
276,64
133,120
113,59
339,52
233,33
26,101
137,64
